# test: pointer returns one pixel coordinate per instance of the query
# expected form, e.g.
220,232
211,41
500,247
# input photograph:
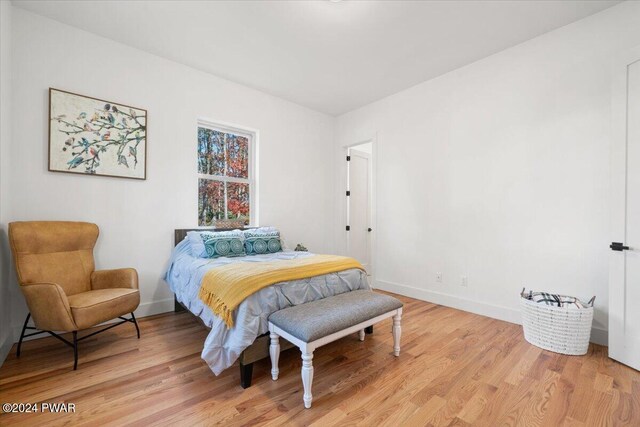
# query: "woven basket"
559,329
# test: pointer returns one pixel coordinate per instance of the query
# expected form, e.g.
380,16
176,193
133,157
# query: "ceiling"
329,56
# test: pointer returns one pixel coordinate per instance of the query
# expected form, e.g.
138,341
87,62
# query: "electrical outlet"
463,281
439,277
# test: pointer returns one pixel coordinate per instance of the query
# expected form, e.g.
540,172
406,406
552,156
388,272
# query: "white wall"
6,335
137,218
499,171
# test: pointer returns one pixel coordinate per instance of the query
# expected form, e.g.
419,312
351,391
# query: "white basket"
559,329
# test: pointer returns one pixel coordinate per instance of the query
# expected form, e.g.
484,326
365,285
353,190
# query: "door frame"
353,153
617,260
373,202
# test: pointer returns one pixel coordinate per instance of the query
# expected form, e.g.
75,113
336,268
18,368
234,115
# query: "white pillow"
262,230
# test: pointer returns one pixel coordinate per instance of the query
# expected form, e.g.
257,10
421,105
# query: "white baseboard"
143,310
598,336
5,347
155,307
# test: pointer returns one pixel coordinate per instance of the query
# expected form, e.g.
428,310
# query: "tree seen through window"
224,184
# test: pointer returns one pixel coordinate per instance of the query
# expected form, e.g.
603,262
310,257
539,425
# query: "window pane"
237,156
210,152
238,201
210,201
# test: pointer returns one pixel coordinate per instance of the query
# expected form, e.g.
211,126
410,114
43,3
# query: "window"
225,176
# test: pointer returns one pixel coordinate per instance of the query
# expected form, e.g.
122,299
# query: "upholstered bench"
320,322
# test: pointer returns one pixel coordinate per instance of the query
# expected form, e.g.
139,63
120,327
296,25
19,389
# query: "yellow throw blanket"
224,288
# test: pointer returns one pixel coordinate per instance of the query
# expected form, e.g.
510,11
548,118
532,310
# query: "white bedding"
223,346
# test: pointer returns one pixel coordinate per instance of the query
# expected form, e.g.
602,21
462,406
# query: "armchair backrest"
54,252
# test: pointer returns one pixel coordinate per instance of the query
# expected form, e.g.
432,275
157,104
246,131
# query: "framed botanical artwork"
96,137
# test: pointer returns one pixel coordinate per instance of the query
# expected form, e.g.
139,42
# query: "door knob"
369,229
617,246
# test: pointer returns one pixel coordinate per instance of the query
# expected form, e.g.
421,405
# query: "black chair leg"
24,329
135,322
246,372
75,350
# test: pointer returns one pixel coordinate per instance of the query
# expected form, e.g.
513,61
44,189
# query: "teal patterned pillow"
256,243
226,245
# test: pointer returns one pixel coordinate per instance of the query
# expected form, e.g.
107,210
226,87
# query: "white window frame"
252,137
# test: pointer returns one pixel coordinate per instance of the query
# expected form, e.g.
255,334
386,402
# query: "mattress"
223,345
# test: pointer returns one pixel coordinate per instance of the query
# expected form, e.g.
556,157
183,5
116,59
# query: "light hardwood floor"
456,368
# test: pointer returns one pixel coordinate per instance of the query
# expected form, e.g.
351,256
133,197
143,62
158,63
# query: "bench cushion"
314,320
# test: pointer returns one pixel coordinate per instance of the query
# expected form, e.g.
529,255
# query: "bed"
247,341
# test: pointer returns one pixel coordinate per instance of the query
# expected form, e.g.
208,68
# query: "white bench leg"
274,352
361,334
396,330
307,378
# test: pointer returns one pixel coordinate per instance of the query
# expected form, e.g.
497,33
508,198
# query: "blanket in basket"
555,300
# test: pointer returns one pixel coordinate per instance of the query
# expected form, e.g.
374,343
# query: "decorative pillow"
207,244
262,241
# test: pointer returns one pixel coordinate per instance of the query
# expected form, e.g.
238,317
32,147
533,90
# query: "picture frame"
93,136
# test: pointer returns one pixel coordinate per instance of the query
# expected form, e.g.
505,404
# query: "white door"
624,278
359,207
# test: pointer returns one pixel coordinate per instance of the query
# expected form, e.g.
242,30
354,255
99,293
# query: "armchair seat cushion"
93,307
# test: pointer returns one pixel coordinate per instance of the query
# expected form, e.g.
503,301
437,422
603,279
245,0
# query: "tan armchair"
56,271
